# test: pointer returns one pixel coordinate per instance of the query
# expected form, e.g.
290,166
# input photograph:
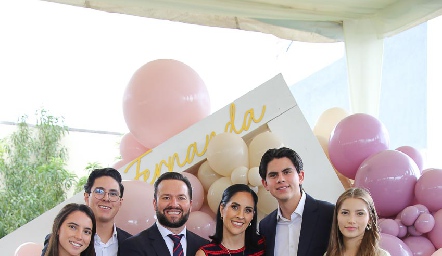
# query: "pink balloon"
201,224
163,98
355,138
435,235
422,208
424,223
413,232
29,249
394,245
389,226
409,215
197,191
419,245
120,163
413,154
390,177
402,229
428,189
137,212
130,148
206,209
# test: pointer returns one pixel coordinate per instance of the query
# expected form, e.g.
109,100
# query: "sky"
76,62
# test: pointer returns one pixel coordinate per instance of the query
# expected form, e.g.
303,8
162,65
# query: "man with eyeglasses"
103,193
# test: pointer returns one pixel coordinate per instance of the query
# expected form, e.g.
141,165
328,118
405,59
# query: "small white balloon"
254,178
239,175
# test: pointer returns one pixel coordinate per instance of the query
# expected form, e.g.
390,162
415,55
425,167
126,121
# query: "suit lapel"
158,242
272,233
308,226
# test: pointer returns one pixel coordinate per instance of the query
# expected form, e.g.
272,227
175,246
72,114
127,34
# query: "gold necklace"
228,251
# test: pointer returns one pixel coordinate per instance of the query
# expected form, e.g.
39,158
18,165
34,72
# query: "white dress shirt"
106,249
164,232
288,231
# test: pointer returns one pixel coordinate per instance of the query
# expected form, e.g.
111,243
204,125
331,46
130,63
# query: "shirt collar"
298,211
164,231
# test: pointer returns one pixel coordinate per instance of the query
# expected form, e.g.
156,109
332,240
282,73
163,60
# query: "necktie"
177,248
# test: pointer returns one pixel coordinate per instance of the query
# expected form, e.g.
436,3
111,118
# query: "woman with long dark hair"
236,222
73,232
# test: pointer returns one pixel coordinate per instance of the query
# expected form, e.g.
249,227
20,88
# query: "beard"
162,219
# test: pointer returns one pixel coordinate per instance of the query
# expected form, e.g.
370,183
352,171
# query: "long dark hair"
251,237
60,218
370,241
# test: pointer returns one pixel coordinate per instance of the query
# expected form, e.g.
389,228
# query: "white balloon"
239,175
207,176
215,193
260,144
227,151
254,178
266,202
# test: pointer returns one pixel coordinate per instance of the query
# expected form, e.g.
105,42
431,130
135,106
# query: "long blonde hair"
370,241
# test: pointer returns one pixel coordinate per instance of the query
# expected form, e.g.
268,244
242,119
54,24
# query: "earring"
221,217
250,224
368,227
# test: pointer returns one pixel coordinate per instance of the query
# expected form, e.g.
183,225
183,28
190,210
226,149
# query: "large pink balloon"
201,224
414,154
197,191
163,98
390,177
394,245
137,212
420,245
389,226
130,148
29,249
428,189
435,235
354,139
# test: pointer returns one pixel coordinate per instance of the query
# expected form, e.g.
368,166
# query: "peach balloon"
207,176
197,191
163,98
215,192
328,120
435,235
253,176
437,253
324,144
137,212
227,151
260,144
201,224
29,249
239,175
266,203
130,148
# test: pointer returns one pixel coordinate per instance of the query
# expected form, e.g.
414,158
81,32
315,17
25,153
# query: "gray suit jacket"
150,243
315,228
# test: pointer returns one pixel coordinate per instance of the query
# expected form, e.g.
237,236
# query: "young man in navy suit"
301,224
172,202
103,193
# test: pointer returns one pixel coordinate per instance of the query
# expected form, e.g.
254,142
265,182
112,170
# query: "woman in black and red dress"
236,222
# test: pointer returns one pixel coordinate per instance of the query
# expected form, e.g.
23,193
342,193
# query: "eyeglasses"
100,193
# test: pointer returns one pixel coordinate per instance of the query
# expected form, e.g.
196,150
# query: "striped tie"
177,248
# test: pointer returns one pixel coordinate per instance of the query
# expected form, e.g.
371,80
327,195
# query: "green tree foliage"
89,168
33,178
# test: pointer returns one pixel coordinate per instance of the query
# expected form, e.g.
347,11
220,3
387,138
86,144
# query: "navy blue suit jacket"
316,224
121,236
150,243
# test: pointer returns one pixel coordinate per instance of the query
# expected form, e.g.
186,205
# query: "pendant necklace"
228,251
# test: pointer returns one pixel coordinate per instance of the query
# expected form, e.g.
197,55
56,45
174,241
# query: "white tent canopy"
362,25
